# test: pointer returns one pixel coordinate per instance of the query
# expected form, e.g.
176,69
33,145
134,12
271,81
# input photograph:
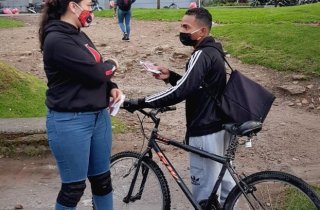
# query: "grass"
21,95
285,39
294,200
8,23
118,126
286,53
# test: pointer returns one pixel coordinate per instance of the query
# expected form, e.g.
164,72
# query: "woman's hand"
115,93
164,73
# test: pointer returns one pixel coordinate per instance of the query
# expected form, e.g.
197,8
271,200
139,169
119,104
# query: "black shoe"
124,36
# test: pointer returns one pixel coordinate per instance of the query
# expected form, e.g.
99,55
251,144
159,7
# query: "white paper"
114,107
150,67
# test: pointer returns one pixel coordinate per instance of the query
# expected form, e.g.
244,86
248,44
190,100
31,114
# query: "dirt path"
289,140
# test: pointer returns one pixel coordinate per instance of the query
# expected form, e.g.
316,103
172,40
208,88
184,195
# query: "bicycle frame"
153,145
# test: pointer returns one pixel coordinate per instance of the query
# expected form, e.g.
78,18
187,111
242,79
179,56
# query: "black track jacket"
78,79
205,65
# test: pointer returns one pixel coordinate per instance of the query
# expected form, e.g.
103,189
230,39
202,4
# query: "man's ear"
205,31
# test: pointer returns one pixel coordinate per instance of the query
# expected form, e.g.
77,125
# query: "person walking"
204,118
124,16
79,91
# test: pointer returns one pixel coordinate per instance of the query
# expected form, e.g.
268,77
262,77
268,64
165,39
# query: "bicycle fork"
245,189
145,172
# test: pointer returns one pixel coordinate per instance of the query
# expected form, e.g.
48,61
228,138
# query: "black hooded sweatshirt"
78,79
205,65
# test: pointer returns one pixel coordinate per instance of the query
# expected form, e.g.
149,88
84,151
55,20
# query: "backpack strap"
206,86
224,57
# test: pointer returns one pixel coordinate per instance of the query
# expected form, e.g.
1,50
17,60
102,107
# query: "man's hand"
164,73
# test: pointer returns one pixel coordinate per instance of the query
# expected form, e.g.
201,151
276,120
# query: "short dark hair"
202,15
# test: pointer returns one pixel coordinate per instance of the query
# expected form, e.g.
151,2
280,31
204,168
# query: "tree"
158,4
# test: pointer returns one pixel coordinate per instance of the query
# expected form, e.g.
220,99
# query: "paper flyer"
114,107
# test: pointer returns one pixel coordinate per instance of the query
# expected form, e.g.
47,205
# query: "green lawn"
282,38
21,94
294,200
8,23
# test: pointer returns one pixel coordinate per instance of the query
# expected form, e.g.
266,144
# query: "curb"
22,125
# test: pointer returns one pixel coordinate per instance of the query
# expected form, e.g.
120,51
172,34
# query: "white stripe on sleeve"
164,93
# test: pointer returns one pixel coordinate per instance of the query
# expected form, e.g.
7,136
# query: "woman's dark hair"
202,15
53,10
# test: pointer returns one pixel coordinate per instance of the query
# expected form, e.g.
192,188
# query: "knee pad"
101,184
70,193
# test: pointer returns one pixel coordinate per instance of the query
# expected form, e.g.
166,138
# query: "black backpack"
125,5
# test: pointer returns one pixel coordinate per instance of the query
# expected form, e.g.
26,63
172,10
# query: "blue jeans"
124,21
81,144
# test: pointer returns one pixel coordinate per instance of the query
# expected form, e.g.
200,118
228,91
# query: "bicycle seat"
244,129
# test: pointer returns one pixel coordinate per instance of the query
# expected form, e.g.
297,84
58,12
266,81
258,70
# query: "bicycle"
139,183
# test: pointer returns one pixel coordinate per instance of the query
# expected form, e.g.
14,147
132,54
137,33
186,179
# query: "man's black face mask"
186,39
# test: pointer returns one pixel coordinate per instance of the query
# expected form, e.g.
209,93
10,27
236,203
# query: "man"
124,16
204,124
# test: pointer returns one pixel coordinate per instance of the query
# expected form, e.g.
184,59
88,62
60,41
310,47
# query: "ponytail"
53,10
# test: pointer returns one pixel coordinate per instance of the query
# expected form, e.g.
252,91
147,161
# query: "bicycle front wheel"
151,189
273,190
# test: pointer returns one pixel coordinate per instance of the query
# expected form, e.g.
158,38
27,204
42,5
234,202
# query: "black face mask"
185,39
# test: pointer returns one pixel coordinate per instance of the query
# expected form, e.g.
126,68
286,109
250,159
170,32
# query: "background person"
192,5
204,119
79,90
124,16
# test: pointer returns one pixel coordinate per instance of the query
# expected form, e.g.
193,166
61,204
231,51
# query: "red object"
94,53
109,72
192,5
7,11
15,11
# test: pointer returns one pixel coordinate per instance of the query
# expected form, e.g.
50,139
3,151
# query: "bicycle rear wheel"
274,190
150,184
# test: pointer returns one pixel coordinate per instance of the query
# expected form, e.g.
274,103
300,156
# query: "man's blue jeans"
81,144
124,21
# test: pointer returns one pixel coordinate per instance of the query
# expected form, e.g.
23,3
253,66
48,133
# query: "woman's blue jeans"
81,144
124,18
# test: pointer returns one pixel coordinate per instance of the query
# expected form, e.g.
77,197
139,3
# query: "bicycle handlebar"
154,111
167,109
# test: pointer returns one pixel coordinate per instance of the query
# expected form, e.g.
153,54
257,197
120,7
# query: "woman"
79,88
